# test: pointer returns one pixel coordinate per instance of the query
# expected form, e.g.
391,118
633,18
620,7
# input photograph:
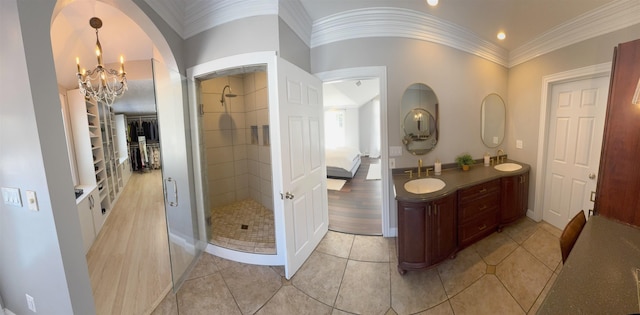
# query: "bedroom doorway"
353,155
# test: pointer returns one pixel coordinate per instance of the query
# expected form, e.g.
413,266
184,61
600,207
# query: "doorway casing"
595,71
379,72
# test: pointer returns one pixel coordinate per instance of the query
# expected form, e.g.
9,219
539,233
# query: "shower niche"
238,176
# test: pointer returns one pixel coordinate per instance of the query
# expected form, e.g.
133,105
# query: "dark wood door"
412,235
443,228
514,197
617,193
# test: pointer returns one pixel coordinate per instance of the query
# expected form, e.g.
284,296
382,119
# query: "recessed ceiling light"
432,3
501,35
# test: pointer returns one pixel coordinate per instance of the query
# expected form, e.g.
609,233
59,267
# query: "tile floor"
506,273
257,235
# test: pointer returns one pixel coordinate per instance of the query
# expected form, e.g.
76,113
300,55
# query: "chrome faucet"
419,168
499,157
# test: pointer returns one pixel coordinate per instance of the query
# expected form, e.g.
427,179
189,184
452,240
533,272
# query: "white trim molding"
595,71
397,22
379,72
608,18
294,14
189,18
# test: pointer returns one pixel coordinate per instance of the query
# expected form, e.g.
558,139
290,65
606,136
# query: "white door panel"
304,194
575,136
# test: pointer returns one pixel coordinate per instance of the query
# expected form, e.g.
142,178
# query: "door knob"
288,195
592,176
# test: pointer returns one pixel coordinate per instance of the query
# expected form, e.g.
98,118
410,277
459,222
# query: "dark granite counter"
454,178
601,274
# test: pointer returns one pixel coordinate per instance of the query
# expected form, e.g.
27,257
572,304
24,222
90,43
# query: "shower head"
230,94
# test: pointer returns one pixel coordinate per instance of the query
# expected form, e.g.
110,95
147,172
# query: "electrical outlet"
31,303
32,201
392,163
518,144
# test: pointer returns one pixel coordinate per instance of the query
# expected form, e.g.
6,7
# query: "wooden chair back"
570,234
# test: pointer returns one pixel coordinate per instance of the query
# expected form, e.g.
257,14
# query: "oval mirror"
492,120
420,119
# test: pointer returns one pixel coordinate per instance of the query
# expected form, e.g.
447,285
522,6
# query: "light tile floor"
505,273
245,225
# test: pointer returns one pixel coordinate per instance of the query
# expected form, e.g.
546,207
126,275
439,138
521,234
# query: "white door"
303,196
576,126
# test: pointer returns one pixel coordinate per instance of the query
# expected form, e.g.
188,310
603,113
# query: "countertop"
601,273
454,178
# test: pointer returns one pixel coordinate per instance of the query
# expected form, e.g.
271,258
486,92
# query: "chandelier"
101,84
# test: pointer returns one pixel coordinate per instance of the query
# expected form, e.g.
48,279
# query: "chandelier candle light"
101,84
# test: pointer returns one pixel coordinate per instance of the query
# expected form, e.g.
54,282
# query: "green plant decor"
464,159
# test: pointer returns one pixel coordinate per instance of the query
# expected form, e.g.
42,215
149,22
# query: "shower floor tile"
244,226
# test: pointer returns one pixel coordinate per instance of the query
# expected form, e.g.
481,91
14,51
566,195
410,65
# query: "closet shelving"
96,160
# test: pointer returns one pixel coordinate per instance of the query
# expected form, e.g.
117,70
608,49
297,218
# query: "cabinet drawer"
478,191
478,228
477,207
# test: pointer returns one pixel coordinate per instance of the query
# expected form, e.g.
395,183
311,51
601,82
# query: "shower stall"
238,177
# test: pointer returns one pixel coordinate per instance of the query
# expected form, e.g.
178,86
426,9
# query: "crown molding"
608,18
295,15
189,18
397,22
171,12
203,15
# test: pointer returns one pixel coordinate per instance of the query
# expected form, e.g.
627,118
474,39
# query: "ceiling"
523,21
349,93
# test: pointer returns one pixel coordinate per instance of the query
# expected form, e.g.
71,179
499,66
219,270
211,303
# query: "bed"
342,162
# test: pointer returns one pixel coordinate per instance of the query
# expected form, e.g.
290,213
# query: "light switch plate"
395,151
11,196
518,144
392,163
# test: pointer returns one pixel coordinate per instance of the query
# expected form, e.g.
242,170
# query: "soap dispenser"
487,159
437,167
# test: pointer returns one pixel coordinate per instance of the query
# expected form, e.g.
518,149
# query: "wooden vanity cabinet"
426,233
478,212
515,198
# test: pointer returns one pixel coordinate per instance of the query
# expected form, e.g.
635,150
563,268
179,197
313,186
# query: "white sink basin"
424,185
508,167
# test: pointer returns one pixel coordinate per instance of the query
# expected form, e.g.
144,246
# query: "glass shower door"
177,174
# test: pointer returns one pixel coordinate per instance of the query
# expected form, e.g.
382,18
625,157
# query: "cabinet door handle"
484,226
483,190
483,207
429,210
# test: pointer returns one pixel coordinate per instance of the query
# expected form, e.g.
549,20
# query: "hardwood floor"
129,261
357,207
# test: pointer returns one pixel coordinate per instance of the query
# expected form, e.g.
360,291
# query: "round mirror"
420,119
492,117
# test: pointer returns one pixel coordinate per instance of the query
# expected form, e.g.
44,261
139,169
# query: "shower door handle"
175,192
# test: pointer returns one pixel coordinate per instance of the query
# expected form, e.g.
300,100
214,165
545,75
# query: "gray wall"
292,48
258,33
41,251
370,128
460,81
525,88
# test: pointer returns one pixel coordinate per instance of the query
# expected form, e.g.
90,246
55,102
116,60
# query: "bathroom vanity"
433,226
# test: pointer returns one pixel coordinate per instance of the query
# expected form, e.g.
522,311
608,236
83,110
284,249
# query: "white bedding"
344,157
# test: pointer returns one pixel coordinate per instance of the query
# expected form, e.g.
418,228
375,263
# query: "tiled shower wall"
238,160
